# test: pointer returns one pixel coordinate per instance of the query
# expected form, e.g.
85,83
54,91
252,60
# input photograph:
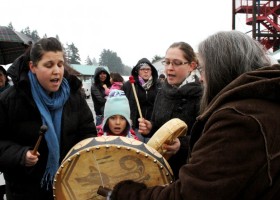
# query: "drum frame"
62,178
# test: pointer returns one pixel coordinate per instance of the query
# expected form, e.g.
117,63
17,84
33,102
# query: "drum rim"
159,160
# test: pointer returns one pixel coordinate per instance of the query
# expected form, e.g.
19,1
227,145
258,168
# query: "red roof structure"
263,16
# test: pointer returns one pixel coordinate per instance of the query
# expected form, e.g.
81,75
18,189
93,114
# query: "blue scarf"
50,108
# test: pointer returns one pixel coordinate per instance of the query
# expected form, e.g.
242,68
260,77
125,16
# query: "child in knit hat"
116,120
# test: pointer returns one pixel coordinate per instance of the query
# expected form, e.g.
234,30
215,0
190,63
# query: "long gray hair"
226,55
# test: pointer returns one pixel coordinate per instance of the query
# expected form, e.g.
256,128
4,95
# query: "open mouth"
117,130
171,75
55,80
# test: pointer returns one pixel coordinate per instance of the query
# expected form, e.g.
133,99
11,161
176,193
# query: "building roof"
159,66
72,70
86,69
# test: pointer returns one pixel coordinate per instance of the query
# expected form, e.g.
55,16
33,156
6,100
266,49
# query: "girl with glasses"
179,98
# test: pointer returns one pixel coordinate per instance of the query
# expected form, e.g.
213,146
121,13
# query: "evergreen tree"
88,61
126,70
57,37
94,62
72,54
67,53
11,26
34,35
111,60
26,31
107,57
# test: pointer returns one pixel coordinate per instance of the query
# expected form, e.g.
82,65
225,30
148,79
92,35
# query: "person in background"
116,81
43,94
235,141
77,82
4,81
101,77
179,97
4,84
146,86
161,78
117,116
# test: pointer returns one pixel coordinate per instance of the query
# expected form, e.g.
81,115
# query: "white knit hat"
116,104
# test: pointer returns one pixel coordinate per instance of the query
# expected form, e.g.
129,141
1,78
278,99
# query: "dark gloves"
127,190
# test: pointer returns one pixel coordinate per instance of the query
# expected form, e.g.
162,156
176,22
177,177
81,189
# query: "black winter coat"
20,121
182,103
146,97
98,92
146,100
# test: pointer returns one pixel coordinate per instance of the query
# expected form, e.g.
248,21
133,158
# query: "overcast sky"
132,28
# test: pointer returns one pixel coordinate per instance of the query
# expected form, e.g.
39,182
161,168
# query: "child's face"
117,124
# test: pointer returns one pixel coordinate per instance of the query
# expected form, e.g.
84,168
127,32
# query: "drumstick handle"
104,191
42,132
136,99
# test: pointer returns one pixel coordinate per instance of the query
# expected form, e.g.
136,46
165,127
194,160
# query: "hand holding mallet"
42,132
132,81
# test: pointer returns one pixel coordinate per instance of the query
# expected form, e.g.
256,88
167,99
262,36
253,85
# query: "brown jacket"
235,145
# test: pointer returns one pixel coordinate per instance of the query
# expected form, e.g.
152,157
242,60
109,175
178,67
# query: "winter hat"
116,104
140,63
143,62
161,76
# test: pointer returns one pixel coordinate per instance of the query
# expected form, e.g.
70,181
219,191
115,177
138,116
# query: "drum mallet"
105,192
132,81
42,132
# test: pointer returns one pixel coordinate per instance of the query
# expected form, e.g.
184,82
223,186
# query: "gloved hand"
127,189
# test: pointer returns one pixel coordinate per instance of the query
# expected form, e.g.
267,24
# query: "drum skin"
167,133
105,161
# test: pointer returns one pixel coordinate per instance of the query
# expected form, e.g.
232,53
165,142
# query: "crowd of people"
227,93
233,150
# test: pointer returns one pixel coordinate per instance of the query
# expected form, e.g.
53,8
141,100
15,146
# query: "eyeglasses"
174,62
145,69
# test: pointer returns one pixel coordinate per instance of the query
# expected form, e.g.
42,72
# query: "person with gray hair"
234,145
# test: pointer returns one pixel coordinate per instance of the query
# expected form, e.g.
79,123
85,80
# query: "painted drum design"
105,161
